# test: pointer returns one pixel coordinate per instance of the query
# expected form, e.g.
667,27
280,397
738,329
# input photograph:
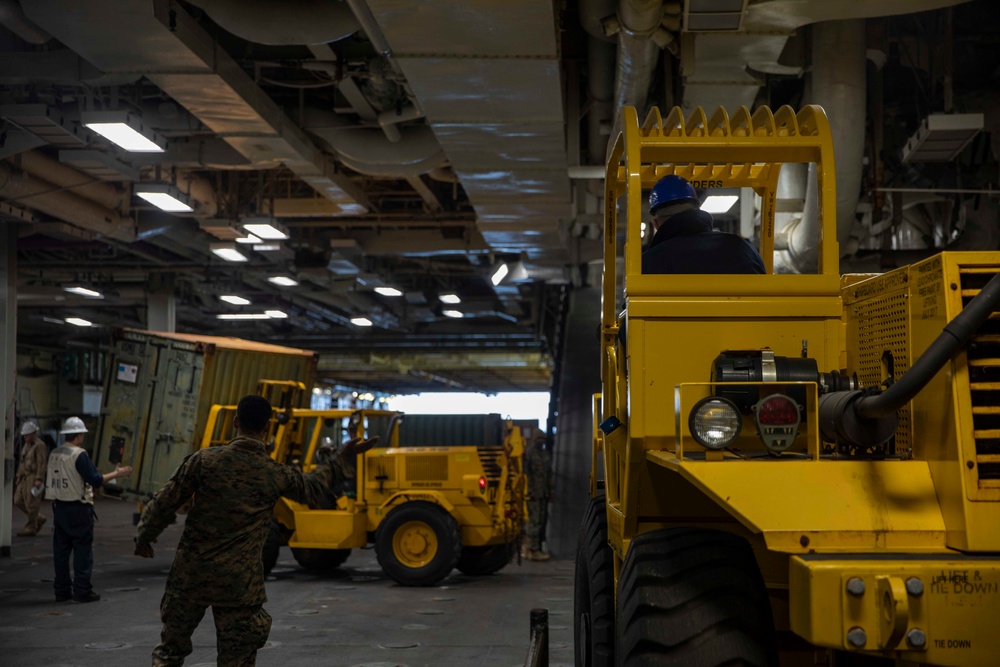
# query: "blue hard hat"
671,190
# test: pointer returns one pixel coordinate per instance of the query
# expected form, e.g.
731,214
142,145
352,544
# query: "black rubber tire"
272,547
481,561
445,530
688,596
320,560
594,591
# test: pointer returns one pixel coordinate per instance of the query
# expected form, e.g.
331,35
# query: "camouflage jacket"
235,487
538,469
34,462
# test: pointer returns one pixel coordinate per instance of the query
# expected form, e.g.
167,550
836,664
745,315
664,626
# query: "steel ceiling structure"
416,146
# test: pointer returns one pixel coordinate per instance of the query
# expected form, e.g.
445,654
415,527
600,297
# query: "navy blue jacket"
686,243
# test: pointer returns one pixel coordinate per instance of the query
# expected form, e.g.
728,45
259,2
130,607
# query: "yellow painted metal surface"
950,424
836,506
952,602
832,517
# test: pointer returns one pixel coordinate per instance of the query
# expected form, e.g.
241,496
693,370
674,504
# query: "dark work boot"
89,597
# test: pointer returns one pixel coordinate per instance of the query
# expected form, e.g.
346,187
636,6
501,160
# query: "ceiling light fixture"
276,314
235,300
165,197
450,298
125,130
361,321
267,247
83,291
249,238
388,291
228,252
243,316
500,273
453,313
79,321
283,281
268,231
719,203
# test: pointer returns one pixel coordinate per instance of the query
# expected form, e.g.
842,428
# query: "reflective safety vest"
63,481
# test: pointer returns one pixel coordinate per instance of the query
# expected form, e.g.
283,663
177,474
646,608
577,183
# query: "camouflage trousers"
239,632
537,507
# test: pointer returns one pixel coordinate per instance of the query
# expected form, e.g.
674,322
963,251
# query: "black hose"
956,333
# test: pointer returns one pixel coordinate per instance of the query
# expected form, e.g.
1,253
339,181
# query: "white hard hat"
73,425
28,427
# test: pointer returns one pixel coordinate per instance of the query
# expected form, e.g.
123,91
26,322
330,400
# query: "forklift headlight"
715,422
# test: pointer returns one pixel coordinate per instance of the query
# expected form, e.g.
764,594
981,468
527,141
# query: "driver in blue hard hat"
684,239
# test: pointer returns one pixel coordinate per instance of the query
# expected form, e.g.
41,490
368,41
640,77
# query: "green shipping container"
160,386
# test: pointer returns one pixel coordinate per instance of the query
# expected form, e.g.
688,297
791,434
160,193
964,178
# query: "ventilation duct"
297,21
175,53
12,17
28,190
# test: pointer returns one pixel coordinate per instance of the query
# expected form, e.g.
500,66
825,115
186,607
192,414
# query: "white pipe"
839,86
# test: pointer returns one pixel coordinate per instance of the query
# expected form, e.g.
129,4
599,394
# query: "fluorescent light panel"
79,321
388,291
361,321
450,298
266,231
228,252
453,313
276,314
234,299
499,274
165,197
83,291
124,130
719,203
249,238
283,281
243,316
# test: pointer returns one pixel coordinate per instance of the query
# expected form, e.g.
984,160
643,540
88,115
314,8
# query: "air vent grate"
983,355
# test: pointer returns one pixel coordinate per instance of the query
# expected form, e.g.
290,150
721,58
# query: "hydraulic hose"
956,333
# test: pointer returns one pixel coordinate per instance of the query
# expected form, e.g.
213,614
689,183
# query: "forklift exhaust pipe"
853,418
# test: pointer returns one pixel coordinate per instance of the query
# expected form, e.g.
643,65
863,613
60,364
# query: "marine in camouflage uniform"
31,475
538,469
218,560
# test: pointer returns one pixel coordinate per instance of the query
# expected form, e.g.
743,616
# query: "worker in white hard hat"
29,483
72,479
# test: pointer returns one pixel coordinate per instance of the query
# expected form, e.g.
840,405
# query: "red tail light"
482,484
778,410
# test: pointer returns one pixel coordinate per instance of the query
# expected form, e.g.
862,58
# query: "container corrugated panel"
451,430
159,390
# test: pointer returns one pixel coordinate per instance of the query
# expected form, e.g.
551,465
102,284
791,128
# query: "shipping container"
451,430
160,386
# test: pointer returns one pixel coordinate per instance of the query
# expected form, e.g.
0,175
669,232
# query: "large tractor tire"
272,546
418,544
320,560
594,591
688,596
480,561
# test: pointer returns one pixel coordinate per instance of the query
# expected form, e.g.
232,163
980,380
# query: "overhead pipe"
298,21
42,166
370,152
593,13
640,38
51,199
838,85
13,18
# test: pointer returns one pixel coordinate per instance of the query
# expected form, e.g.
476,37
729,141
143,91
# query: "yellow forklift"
788,469
429,498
